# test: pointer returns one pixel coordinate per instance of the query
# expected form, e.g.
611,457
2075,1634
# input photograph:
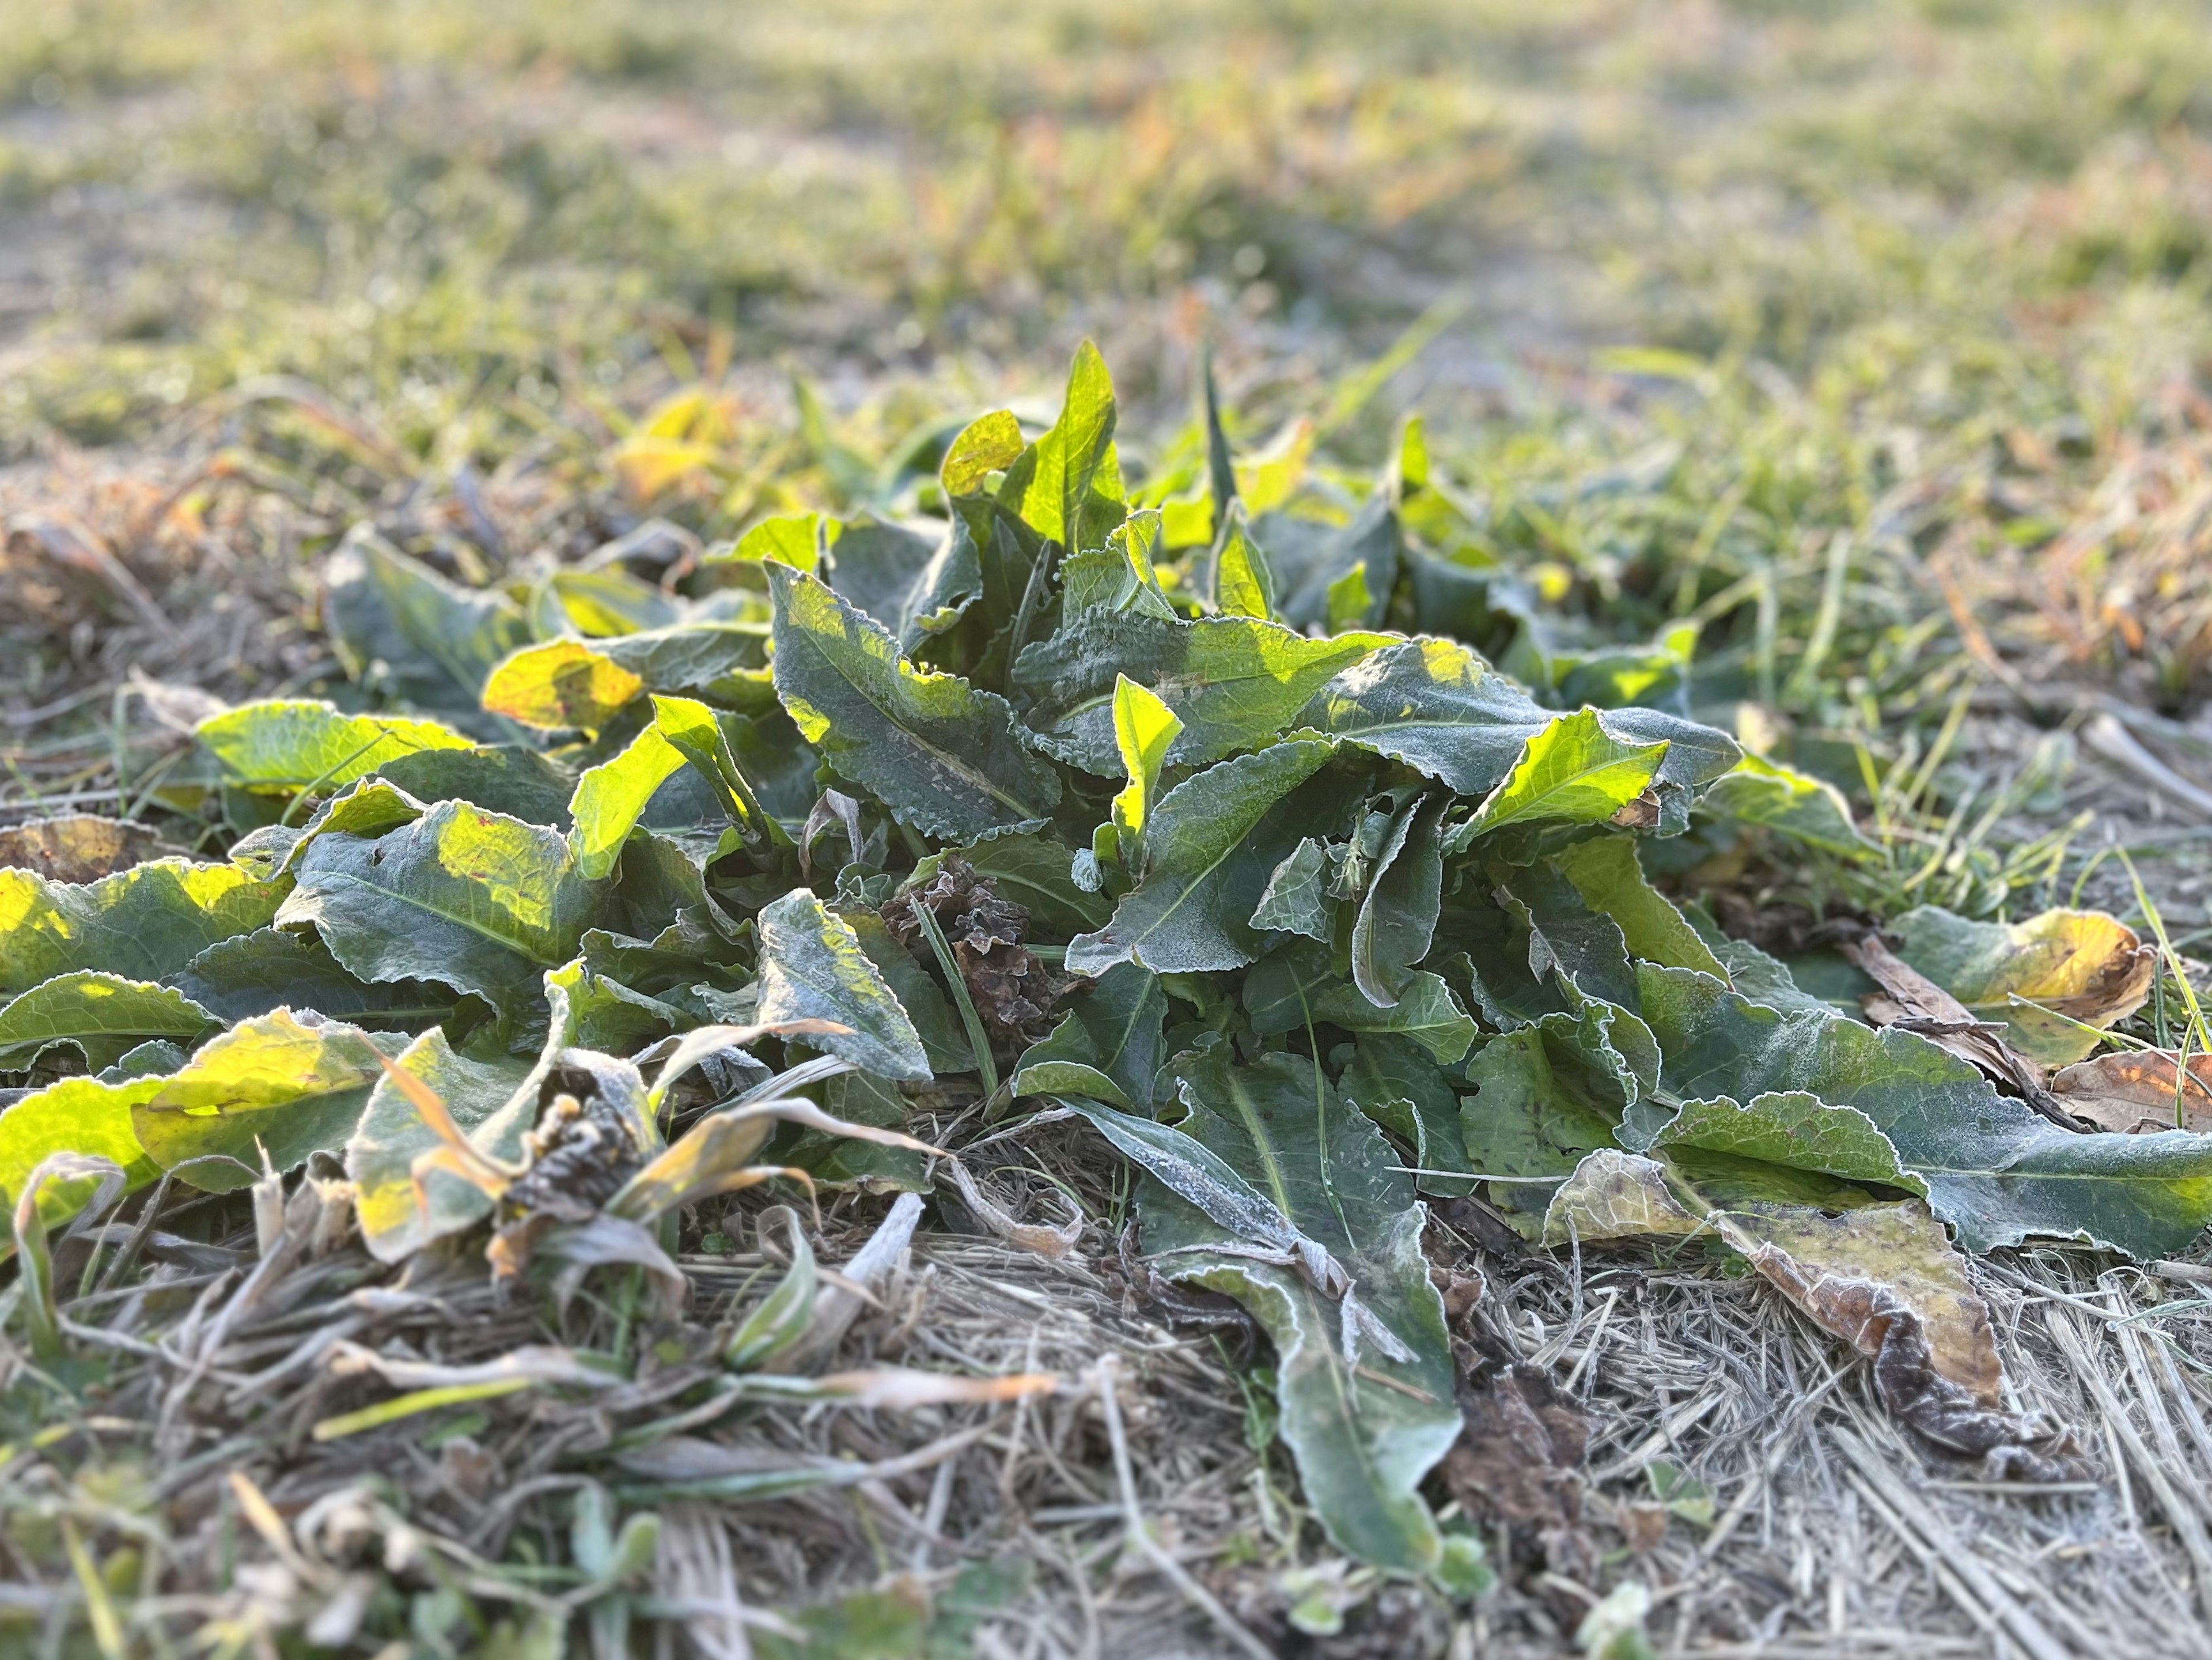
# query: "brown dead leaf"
1886,1279
1015,990
1519,1458
79,847
2139,1091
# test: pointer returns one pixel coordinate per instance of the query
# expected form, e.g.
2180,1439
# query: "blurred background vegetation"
1868,335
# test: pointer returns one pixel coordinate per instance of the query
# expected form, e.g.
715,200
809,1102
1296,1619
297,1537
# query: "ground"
1872,337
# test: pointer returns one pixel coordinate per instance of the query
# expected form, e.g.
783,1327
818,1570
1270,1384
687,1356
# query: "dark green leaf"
1235,682
813,968
1212,843
940,755
143,923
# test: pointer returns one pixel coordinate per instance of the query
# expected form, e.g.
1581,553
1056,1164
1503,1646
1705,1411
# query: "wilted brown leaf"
2139,1091
79,847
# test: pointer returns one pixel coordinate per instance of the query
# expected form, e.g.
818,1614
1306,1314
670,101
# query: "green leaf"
780,1319
1607,874
143,923
702,737
604,602
287,745
1234,682
102,1016
285,1084
1296,899
410,633
476,900
1573,772
269,968
1143,727
1244,580
611,798
1076,486
1211,845
796,540
1292,987
1995,1170
1398,1084
493,1101
1109,1045
990,443
1757,791
1440,708
914,585
77,1115
813,968
560,685
1312,557
1362,1445
1397,918
940,755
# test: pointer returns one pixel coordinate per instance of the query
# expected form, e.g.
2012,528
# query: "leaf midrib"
952,763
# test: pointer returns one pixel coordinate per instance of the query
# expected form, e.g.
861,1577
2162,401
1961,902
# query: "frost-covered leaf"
1312,558
285,1084
1296,899
1995,1170
1757,791
252,973
101,1016
476,900
409,631
1605,872
1398,1084
939,754
1293,986
142,923
291,743
500,777
1234,682
1212,843
914,584
1032,869
1106,1046
1439,708
1397,917
1361,1445
813,968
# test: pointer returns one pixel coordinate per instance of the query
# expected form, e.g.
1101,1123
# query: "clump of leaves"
1065,796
